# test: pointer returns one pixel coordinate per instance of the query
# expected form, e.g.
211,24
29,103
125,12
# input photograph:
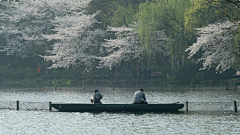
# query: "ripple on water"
196,121
60,123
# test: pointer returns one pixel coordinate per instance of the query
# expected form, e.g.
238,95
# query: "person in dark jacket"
96,97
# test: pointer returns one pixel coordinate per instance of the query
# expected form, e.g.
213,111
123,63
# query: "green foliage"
166,15
123,16
69,82
56,81
202,13
60,82
149,18
111,9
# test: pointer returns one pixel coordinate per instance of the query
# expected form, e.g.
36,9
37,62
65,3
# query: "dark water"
210,112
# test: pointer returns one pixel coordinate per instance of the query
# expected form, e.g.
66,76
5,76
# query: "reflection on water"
210,112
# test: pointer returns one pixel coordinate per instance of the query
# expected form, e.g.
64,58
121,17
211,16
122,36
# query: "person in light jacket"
139,97
96,97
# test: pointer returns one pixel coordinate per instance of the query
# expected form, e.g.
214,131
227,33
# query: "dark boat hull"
117,107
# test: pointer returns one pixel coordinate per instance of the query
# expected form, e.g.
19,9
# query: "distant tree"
167,15
127,46
23,24
30,26
216,42
69,34
115,13
231,8
202,13
205,12
122,16
75,41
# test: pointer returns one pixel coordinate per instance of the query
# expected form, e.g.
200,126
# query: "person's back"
96,97
139,97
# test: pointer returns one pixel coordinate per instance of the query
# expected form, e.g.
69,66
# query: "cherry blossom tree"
23,23
75,40
216,42
76,36
71,32
127,45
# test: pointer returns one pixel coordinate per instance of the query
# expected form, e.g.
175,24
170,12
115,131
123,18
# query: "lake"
210,112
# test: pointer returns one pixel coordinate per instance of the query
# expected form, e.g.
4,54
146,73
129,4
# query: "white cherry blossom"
216,44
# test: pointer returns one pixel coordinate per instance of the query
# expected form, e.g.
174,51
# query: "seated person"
139,97
96,97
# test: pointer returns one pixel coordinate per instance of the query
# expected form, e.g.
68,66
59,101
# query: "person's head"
141,90
96,90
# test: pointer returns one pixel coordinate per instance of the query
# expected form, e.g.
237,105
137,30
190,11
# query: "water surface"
210,112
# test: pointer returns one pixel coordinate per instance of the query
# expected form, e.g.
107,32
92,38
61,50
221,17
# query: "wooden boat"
68,107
